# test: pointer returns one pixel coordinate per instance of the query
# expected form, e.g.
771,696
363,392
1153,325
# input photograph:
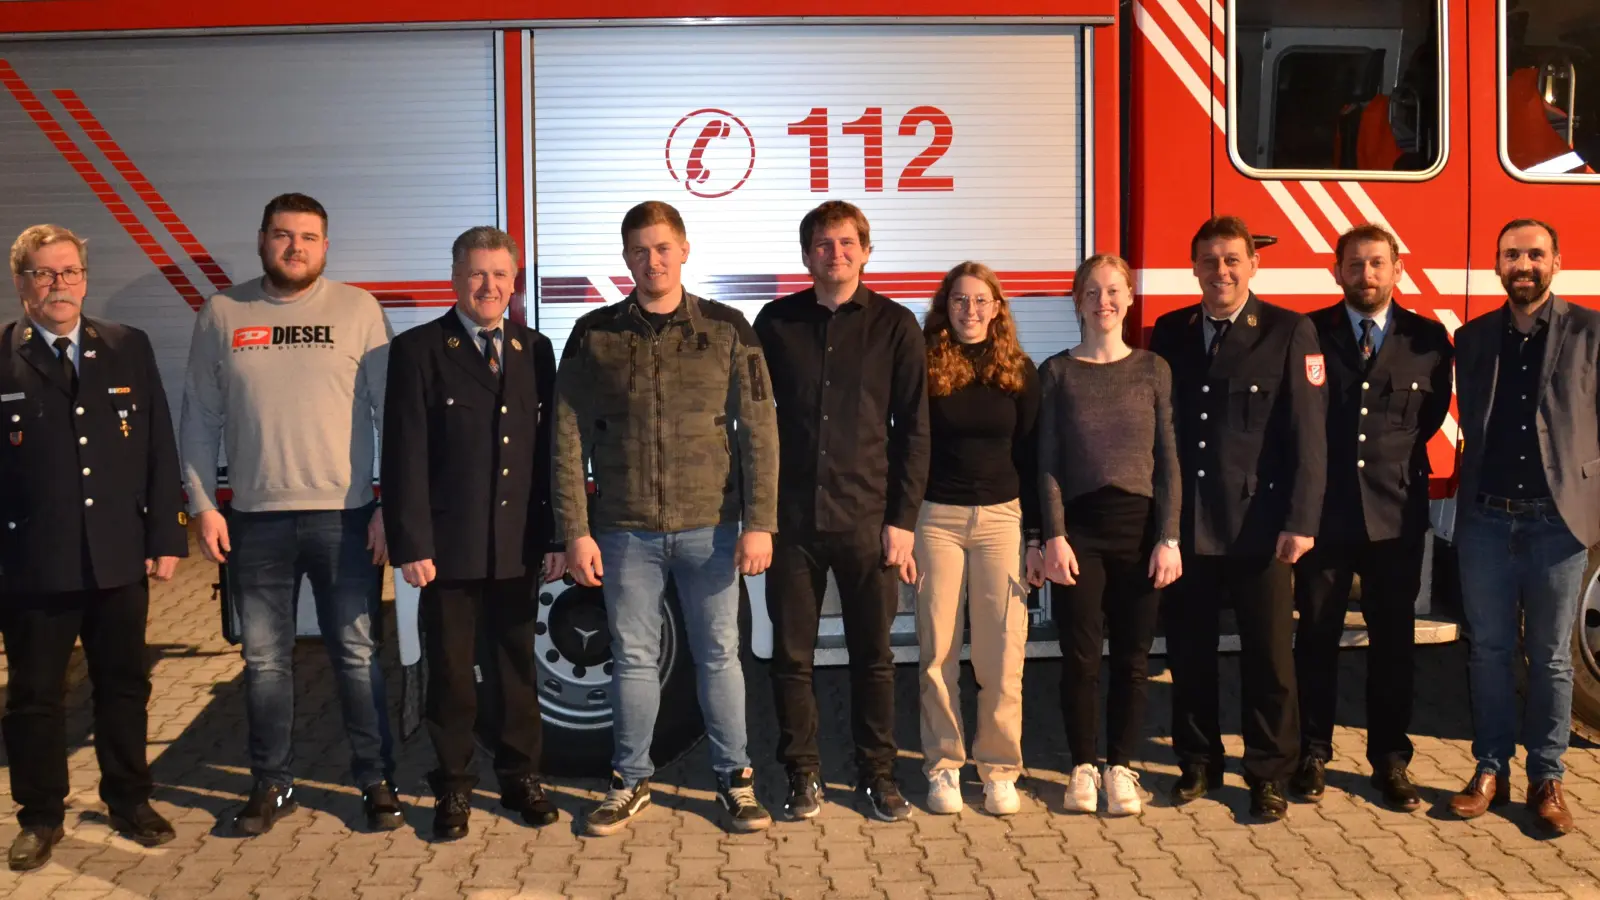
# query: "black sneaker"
887,803
267,804
805,796
451,810
525,794
382,806
619,807
737,791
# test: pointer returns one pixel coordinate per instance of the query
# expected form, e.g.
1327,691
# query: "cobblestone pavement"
1345,847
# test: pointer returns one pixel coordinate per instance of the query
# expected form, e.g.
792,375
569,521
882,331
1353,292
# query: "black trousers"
1264,608
868,596
40,631
450,613
1391,576
1111,539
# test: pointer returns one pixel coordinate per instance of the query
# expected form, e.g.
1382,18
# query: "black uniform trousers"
450,615
40,632
1263,606
868,596
1391,576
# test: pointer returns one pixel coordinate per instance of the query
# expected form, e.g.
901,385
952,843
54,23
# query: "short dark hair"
1228,227
293,203
833,212
1365,233
483,237
1555,241
653,212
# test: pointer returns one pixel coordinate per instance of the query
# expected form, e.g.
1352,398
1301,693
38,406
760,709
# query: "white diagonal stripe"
1201,43
1169,52
1320,196
1449,319
1560,165
1214,10
1297,217
608,290
1358,196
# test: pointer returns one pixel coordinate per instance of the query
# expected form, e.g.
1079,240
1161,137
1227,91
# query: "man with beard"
850,374
1527,511
286,374
1388,393
91,507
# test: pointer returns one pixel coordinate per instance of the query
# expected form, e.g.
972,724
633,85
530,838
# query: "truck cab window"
1550,108
1337,85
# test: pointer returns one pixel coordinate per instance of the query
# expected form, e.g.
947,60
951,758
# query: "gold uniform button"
1254,389
1365,386
88,501
505,440
85,470
504,410
79,410
1361,437
505,471
1363,410
1361,464
82,441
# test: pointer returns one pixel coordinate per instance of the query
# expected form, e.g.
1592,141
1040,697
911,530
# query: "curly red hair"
949,369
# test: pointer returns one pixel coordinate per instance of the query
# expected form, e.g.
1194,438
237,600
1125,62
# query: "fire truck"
1023,133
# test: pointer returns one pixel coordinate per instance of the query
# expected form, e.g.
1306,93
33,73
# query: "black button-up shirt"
1513,467
852,392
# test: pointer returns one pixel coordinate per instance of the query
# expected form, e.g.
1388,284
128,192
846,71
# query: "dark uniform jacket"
466,454
1251,429
88,483
1379,424
678,427
1569,408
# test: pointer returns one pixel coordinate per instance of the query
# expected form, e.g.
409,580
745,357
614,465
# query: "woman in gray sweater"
1110,495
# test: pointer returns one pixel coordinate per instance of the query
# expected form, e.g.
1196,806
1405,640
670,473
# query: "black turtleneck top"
984,445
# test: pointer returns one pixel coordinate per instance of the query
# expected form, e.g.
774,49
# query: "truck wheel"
572,649
1586,654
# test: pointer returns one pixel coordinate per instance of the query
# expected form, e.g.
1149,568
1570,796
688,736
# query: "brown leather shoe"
1547,802
1486,789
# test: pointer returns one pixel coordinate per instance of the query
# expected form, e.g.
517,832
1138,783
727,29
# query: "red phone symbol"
695,169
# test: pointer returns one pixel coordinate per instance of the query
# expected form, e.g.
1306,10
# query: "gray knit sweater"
1107,425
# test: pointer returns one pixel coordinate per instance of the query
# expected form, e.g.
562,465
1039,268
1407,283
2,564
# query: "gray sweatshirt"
292,391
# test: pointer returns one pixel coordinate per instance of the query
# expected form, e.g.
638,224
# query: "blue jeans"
270,552
700,562
1533,562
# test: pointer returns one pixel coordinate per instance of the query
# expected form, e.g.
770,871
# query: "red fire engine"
1025,133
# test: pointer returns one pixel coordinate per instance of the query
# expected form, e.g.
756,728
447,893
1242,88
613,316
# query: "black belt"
1517,507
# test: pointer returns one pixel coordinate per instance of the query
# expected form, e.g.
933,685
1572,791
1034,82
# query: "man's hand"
213,536
897,546
419,573
583,561
161,568
1293,546
555,566
753,554
376,541
1060,563
1033,567
1166,565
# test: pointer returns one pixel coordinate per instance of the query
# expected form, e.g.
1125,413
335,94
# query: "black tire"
1585,650
573,653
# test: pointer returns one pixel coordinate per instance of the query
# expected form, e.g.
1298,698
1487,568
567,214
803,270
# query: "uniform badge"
516,345
119,390
183,518
16,438
1194,317
123,414
1316,369
88,354
1250,320
89,330
452,342
27,333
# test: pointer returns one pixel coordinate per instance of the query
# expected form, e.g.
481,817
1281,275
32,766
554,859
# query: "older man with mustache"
1529,509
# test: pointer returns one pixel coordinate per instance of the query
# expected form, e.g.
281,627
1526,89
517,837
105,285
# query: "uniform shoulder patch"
1316,369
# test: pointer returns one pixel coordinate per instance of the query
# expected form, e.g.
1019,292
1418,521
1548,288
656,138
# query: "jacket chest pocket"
621,365
1406,395
700,364
1250,401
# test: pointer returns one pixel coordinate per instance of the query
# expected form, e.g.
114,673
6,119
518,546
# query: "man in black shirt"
849,374
1529,507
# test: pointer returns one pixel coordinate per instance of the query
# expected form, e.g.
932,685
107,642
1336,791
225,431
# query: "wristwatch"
1171,542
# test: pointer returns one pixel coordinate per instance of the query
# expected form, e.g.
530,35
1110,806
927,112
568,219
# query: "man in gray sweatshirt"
286,375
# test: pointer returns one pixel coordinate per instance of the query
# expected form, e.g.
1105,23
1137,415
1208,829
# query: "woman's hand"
1033,566
1060,563
1166,565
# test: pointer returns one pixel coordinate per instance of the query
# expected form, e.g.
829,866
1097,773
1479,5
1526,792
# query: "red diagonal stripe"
147,192
102,189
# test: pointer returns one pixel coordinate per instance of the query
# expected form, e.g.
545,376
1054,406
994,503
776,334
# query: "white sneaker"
1000,798
1083,791
944,792
1122,792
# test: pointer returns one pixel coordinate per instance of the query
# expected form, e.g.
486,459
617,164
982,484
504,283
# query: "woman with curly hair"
983,400
1108,474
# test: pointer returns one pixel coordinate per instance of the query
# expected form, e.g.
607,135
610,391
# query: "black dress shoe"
525,794
1267,803
1397,790
451,810
1193,783
32,847
1310,780
142,825
382,806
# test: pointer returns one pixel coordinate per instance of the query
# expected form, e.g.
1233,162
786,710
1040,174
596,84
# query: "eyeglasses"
47,277
965,301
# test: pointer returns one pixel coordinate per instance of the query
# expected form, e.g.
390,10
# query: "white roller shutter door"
980,132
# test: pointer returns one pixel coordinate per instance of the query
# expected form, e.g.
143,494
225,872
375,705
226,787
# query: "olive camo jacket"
678,427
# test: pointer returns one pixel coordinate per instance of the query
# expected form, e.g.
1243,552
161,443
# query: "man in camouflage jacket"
665,397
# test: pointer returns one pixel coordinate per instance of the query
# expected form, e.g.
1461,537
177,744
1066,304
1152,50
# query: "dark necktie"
489,351
1367,348
1219,328
63,345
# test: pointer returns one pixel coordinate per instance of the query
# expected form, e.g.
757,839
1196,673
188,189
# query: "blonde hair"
35,237
1080,278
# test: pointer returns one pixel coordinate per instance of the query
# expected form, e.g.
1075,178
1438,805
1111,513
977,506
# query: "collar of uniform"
49,337
1379,321
1231,317
472,328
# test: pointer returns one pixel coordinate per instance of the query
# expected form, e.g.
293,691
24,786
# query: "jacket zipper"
661,440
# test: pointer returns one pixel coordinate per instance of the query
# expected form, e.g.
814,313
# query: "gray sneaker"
619,807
